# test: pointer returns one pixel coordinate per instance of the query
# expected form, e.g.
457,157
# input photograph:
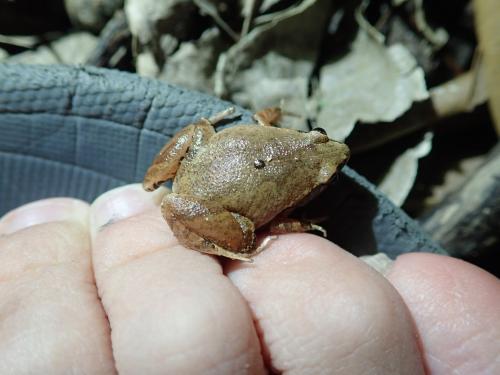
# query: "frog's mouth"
315,192
318,189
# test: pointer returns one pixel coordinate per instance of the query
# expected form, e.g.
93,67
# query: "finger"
321,310
51,321
456,307
44,211
171,310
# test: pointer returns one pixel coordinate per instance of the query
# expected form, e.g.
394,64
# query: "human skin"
105,288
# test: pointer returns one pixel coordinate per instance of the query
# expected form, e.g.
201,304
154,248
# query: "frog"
229,184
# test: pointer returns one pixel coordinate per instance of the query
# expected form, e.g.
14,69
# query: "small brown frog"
230,183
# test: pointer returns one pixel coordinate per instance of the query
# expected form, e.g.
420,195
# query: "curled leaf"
371,83
398,182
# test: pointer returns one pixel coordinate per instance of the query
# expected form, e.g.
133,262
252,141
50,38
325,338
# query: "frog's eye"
319,130
259,163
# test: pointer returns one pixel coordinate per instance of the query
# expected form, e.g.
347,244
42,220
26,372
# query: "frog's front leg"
189,139
208,227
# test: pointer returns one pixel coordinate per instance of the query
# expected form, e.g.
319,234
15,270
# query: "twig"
248,12
210,9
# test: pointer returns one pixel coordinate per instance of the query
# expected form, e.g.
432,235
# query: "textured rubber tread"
79,131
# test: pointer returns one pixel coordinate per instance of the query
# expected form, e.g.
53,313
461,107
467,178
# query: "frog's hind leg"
269,116
208,227
263,245
272,116
282,225
193,241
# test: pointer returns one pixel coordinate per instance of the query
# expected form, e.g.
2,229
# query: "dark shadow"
347,211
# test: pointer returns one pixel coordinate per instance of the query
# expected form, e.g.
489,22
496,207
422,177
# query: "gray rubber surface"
79,131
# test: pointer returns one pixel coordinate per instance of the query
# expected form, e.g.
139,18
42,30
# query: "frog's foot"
208,227
213,249
289,225
268,116
263,245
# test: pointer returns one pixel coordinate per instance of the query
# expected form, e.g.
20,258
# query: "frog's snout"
345,149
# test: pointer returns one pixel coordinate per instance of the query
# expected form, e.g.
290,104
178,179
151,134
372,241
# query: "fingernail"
44,211
121,203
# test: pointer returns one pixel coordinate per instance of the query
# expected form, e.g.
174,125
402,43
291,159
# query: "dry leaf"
71,49
149,19
194,63
437,37
371,83
91,15
454,178
461,94
273,62
423,51
24,41
399,180
146,65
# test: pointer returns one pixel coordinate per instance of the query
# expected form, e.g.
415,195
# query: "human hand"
116,293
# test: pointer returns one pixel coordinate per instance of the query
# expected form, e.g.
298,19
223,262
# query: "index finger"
171,310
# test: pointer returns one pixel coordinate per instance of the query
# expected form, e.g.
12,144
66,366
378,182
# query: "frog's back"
247,170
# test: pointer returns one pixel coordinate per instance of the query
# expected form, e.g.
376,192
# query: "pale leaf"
399,180
372,83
